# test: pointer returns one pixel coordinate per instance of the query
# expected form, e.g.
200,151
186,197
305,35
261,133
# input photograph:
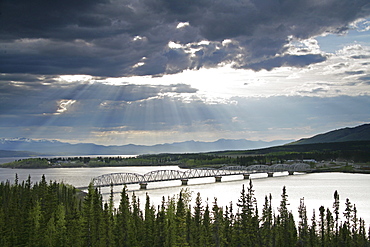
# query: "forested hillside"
358,133
356,151
53,214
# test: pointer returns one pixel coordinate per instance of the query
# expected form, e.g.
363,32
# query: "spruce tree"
149,223
266,223
313,241
248,219
228,226
336,219
92,217
355,226
160,225
74,224
107,225
303,223
362,240
217,226
108,220
206,237
189,223
122,221
50,236
286,231
136,227
180,221
35,227
61,226
348,213
345,236
329,236
170,224
3,241
197,221
322,225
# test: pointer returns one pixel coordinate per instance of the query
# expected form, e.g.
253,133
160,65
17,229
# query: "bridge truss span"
167,175
117,179
163,175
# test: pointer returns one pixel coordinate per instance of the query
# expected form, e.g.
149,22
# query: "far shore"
44,162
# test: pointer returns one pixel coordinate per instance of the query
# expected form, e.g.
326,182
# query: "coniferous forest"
56,214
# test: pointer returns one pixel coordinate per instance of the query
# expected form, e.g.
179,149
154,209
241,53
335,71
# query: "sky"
116,72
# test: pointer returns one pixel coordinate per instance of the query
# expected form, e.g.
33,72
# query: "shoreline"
341,171
357,171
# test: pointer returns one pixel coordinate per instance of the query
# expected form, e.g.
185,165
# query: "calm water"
317,188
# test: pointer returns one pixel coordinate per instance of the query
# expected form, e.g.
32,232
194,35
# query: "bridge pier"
184,181
143,186
245,176
218,179
270,174
291,172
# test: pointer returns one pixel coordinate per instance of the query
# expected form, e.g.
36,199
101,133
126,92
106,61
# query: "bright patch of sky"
358,34
340,74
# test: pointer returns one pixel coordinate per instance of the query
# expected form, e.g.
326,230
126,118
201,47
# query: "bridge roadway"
184,175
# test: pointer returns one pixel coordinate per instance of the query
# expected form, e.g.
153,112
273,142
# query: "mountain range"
17,147
29,147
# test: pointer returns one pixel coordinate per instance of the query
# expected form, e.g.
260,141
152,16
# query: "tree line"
56,214
189,160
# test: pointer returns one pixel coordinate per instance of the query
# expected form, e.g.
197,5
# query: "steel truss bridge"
184,175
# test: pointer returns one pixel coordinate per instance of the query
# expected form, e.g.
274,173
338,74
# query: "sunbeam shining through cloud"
150,72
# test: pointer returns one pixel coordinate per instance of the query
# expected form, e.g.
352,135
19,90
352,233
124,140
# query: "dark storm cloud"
288,60
123,38
26,78
44,19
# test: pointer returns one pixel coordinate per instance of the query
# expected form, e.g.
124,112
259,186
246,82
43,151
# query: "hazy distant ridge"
53,147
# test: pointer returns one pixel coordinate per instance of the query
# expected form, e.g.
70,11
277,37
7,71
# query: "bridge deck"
167,175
